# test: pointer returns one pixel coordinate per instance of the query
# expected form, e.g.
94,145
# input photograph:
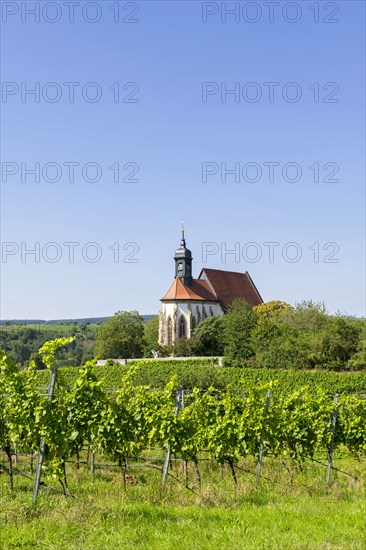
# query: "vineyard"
129,424
204,373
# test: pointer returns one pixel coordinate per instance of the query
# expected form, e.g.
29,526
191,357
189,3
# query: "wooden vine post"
168,451
331,445
260,456
37,480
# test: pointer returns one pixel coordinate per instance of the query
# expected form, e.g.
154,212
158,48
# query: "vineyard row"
228,425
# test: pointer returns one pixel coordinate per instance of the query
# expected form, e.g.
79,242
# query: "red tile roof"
199,290
229,285
215,285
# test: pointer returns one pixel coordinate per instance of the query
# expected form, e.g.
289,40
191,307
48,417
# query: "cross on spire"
183,241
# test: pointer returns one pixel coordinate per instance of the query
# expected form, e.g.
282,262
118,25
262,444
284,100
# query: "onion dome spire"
183,261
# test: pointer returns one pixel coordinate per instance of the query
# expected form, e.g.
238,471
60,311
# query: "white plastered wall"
190,311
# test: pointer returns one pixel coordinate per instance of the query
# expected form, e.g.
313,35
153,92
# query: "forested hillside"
21,343
21,339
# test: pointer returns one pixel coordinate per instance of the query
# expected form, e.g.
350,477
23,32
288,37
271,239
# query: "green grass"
295,510
306,524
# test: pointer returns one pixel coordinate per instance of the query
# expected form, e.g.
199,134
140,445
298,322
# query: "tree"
330,339
209,336
239,323
284,347
184,347
272,309
303,337
122,336
358,359
338,342
151,335
269,315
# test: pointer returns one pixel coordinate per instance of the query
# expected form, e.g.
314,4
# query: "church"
189,301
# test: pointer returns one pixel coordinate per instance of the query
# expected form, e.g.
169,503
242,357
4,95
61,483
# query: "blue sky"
168,133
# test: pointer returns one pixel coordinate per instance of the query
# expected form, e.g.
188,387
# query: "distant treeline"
81,321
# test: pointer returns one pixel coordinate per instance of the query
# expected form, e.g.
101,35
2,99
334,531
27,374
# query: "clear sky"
296,70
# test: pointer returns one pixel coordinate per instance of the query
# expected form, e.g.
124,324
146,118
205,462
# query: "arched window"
182,327
162,329
211,311
170,331
204,314
193,323
198,316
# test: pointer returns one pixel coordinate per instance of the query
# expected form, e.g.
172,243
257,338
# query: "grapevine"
228,424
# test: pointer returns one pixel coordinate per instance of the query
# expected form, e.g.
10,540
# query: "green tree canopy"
122,336
304,337
358,360
239,323
209,336
151,335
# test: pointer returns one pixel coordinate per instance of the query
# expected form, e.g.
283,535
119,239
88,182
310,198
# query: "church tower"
183,262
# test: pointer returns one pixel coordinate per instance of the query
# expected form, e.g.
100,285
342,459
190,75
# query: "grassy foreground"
294,510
